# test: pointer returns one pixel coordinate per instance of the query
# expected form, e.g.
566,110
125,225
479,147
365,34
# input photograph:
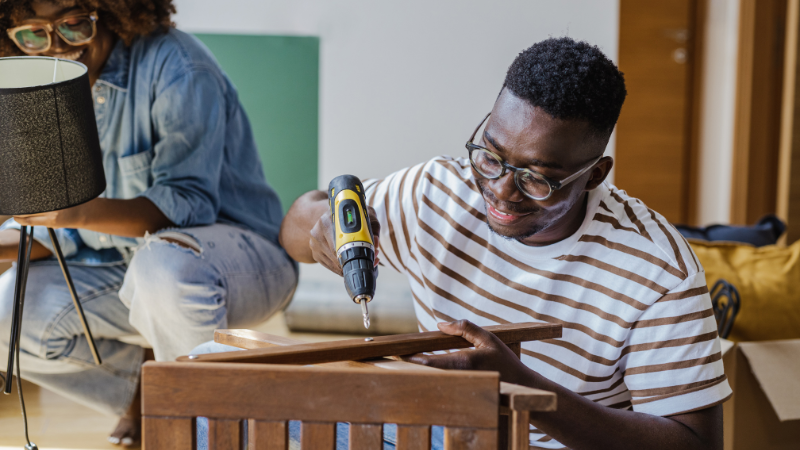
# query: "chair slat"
366,436
168,432
413,437
318,436
520,421
267,435
224,434
470,438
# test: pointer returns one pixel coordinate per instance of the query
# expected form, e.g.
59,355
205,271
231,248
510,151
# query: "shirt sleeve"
189,120
396,201
68,239
674,360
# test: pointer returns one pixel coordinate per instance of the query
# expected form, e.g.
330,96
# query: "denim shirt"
172,130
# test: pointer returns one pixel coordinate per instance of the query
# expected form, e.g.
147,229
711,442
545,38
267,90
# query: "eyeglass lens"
490,166
74,30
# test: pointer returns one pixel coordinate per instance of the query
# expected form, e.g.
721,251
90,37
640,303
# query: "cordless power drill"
354,242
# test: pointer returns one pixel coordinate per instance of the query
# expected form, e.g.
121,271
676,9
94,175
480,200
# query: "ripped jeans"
173,295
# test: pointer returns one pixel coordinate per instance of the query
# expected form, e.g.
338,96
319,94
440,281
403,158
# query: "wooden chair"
230,390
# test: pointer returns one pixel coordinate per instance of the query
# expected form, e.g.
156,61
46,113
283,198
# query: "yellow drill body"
353,239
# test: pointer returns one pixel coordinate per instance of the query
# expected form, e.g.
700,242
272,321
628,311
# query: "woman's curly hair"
125,18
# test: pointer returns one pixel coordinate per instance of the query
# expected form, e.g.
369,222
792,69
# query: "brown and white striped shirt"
638,329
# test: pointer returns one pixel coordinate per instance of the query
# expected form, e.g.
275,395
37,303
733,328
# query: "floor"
57,423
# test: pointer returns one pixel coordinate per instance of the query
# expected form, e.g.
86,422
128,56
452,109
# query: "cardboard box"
764,412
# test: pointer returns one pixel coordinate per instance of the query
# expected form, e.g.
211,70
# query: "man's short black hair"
570,80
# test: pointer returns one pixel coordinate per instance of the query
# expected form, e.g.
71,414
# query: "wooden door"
655,133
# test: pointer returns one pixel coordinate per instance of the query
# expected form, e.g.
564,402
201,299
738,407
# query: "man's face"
92,54
527,137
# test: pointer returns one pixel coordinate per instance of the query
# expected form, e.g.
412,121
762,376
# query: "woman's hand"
63,218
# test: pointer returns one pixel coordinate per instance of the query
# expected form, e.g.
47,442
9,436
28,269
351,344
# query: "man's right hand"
323,247
306,232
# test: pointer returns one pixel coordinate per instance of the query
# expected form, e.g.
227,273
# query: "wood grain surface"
318,435
523,398
413,437
224,434
358,349
366,436
267,435
520,429
470,439
279,392
167,432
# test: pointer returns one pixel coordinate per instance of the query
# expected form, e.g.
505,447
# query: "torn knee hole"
179,239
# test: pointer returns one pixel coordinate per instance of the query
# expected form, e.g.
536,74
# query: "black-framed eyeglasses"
533,184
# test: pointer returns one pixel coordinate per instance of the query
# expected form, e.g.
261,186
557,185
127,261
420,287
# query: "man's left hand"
490,353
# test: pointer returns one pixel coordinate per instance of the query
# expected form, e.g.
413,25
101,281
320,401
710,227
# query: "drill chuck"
359,272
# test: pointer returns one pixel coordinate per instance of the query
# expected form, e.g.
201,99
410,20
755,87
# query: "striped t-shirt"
638,329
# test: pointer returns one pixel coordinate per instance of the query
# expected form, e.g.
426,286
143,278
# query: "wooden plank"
523,398
411,437
366,436
224,434
249,339
267,435
167,432
243,338
470,438
520,421
280,392
318,435
357,349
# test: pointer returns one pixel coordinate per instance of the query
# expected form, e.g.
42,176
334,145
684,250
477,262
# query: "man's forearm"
296,227
580,423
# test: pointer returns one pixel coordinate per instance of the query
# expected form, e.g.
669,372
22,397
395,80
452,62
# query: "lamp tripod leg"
16,314
65,270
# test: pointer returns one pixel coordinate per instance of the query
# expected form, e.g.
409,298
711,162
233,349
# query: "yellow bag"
768,280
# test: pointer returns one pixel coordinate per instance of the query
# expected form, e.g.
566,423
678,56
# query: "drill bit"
364,312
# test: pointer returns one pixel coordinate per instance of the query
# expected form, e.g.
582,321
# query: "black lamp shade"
50,155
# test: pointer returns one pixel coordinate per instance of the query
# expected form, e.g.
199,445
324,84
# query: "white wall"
717,110
403,81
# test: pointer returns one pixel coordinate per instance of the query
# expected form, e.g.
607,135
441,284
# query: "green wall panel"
278,82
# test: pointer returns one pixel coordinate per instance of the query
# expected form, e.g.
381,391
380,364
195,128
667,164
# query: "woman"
184,239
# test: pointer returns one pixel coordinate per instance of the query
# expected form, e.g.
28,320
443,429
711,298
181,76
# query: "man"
527,229
179,155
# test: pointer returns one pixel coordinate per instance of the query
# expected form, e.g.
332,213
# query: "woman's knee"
161,263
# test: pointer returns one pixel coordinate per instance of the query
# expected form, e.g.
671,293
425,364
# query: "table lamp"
50,159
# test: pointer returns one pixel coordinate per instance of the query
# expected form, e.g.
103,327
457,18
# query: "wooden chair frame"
228,388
